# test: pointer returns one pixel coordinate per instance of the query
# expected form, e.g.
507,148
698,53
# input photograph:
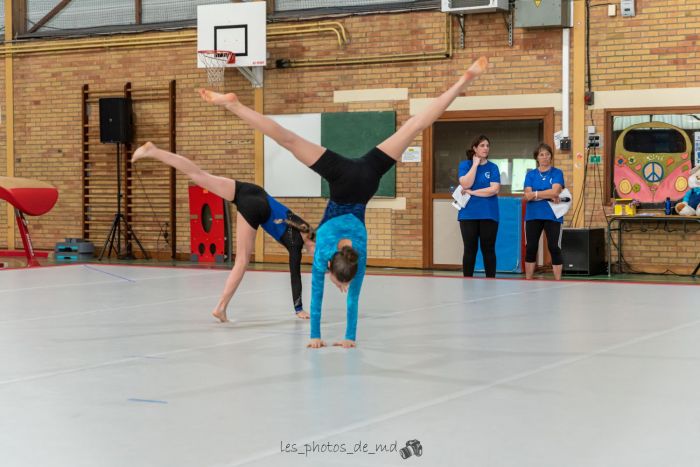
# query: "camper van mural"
652,162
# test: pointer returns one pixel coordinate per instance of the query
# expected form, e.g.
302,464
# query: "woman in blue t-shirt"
478,220
543,184
256,209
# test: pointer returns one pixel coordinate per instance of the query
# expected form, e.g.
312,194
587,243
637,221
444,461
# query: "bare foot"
143,151
477,68
220,315
346,344
217,98
302,314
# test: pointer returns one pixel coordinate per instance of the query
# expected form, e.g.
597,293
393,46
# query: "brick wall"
3,157
47,100
658,48
655,250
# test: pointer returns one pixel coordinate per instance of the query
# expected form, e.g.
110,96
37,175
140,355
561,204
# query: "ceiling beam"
138,11
49,16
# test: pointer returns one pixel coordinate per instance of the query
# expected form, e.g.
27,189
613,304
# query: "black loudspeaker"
583,251
115,120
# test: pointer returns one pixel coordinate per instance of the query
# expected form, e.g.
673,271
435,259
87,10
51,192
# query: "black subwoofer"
583,251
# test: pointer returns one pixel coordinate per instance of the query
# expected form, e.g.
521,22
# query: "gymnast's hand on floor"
346,344
316,344
302,314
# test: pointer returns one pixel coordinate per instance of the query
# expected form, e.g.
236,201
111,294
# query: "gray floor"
122,366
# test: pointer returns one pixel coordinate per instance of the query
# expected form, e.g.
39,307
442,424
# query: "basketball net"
215,62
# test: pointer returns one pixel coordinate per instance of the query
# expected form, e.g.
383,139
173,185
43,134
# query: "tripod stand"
116,230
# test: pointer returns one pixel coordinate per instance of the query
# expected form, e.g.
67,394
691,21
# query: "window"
321,7
512,144
44,18
2,21
86,17
655,140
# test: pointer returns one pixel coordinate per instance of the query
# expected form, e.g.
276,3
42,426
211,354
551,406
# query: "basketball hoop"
215,62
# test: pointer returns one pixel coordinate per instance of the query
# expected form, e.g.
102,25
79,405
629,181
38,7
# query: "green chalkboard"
352,134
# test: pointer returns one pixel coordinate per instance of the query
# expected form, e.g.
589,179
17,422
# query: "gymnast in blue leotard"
341,246
341,249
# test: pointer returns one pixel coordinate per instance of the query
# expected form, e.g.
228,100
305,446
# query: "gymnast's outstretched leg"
308,153
305,151
396,144
226,189
220,186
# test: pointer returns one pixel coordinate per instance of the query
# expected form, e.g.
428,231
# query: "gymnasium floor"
121,365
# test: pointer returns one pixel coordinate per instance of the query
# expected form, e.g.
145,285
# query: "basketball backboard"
237,27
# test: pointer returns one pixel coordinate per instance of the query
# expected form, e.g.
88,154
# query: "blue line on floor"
108,273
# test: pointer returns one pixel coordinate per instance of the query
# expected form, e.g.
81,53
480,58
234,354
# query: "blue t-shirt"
327,237
478,207
540,181
278,213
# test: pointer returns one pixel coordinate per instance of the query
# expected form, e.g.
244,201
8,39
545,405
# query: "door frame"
546,114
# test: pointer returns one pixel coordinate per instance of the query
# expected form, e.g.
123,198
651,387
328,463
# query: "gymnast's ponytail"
300,224
344,264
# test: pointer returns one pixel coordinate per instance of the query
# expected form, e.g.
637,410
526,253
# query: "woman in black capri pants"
543,184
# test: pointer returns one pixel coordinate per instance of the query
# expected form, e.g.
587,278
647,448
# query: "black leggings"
533,231
475,232
294,243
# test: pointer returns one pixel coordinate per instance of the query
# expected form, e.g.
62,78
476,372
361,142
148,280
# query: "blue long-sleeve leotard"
327,237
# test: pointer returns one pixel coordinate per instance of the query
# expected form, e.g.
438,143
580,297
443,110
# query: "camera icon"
412,447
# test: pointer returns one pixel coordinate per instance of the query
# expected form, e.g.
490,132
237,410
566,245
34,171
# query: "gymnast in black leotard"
256,208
